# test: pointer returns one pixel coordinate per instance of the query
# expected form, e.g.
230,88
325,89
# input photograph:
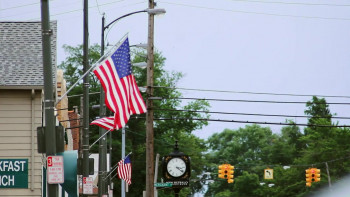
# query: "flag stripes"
124,169
122,94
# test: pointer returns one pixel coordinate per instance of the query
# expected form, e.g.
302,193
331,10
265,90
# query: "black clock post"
177,169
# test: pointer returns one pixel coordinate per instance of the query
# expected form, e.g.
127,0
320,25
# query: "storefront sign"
13,173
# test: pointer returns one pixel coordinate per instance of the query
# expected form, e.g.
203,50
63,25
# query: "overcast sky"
274,46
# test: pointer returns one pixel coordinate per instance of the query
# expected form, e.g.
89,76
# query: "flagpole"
123,156
99,138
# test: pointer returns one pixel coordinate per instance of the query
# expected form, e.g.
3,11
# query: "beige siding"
16,136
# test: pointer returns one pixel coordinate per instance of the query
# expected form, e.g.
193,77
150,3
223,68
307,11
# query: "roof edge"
8,87
25,21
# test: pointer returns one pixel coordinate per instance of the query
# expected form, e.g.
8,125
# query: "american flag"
124,169
107,123
122,93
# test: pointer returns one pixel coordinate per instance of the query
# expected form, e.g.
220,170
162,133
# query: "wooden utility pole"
149,102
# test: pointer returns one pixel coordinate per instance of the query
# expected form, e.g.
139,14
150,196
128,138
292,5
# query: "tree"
253,148
73,70
245,148
324,143
246,185
318,109
165,131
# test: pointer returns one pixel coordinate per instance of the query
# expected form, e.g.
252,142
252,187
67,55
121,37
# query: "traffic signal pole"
85,145
102,151
50,137
329,177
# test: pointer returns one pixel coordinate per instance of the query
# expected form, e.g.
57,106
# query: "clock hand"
180,169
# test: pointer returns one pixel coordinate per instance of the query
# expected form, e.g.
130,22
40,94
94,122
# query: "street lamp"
144,46
103,143
155,11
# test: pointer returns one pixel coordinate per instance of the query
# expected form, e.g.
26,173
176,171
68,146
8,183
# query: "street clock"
177,168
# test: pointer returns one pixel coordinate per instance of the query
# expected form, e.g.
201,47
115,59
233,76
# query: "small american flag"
122,93
124,169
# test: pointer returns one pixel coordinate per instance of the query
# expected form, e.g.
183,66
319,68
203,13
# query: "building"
21,97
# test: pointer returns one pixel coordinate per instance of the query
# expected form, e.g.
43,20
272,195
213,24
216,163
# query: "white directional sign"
268,174
87,185
55,172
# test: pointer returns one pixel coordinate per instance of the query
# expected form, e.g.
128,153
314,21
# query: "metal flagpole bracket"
48,104
99,138
46,32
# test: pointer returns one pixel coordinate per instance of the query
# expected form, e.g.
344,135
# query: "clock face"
176,167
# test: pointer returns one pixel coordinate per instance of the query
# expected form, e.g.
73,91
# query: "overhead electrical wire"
246,114
98,7
161,141
246,92
248,122
246,166
257,13
243,100
220,9
76,10
20,6
237,113
292,3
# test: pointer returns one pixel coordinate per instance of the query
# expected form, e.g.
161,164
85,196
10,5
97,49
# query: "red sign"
55,170
87,185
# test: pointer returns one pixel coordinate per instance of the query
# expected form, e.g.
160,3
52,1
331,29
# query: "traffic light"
223,169
226,172
230,173
312,175
308,177
316,174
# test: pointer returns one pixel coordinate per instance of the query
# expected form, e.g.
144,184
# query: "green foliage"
250,149
165,131
253,148
318,110
73,70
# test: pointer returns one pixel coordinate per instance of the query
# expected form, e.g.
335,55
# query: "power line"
76,10
98,7
244,166
161,141
91,93
20,6
26,13
246,92
258,13
242,100
247,114
293,3
253,122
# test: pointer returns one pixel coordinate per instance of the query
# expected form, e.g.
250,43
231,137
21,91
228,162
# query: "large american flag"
124,169
122,93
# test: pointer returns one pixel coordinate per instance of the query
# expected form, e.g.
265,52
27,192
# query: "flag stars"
121,60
